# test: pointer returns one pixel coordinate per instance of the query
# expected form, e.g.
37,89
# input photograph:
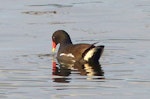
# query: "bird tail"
94,53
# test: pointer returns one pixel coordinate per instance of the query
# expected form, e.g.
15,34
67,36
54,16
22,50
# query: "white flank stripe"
68,55
89,54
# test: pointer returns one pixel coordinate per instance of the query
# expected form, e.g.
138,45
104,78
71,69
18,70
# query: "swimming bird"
69,52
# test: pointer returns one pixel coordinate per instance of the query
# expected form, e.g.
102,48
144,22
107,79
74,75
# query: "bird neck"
65,42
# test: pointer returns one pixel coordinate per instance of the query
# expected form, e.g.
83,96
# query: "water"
27,65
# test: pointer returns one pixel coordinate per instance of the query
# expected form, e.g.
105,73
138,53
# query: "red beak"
53,46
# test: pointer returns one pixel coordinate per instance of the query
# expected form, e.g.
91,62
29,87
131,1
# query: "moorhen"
69,52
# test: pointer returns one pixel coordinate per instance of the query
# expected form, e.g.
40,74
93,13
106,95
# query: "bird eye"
54,38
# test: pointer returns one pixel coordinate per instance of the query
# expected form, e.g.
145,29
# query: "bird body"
75,52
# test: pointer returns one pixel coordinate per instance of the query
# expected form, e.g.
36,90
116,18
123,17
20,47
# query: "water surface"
27,64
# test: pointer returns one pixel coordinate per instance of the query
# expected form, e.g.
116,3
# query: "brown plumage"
75,52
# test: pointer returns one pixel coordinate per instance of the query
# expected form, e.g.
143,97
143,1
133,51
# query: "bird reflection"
62,70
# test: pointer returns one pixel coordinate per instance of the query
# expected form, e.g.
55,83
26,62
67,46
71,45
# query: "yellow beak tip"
53,50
